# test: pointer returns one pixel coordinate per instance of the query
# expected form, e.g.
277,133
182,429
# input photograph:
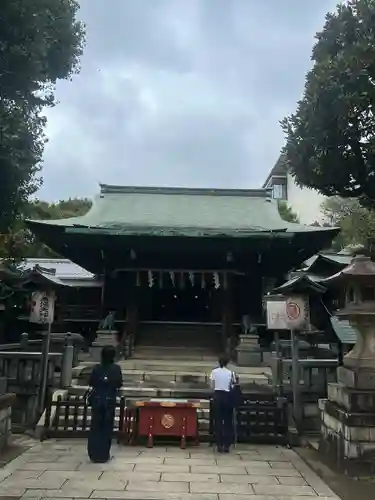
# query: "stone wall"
6,402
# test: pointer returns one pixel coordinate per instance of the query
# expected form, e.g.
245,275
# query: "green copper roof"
344,331
181,212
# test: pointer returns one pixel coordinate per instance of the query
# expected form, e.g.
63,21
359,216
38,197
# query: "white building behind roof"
305,202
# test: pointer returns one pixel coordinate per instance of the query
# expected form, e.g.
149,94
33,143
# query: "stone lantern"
348,415
358,282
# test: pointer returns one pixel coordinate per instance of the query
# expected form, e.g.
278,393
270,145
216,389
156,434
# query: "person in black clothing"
105,380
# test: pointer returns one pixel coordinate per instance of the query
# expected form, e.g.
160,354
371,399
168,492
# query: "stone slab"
248,479
292,481
163,468
148,495
268,497
47,484
209,487
281,490
127,476
274,472
95,484
167,487
70,474
216,469
43,466
191,461
188,478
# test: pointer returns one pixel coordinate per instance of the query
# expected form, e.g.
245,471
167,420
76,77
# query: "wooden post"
67,363
227,312
132,310
297,403
279,365
44,368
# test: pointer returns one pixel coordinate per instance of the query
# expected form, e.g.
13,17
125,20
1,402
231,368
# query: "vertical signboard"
42,312
42,307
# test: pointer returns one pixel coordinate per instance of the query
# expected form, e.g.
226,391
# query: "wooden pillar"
227,311
132,306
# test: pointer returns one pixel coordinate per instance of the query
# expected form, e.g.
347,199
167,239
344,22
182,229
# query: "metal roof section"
300,284
64,268
62,272
335,259
344,331
154,211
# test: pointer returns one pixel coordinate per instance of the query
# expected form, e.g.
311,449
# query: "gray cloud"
179,92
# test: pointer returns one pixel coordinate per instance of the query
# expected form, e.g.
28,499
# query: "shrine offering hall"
183,266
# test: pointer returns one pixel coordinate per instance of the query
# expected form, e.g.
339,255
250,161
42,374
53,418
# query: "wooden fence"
71,417
262,418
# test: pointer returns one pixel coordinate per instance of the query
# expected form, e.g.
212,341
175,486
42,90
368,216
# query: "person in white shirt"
222,380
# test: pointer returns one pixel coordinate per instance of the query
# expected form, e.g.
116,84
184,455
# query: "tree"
21,243
357,223
286,212
41,42
330,139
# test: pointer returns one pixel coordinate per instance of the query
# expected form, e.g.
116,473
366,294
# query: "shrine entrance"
189,305
185,316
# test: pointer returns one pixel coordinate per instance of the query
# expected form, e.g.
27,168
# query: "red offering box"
164,418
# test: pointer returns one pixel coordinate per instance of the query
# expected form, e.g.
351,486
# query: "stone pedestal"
248,351
348,420
103,338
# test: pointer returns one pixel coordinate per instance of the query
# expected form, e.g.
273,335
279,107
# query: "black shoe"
226,450
219,449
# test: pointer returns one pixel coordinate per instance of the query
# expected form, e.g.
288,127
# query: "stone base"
248,351
104,338
361,378
6,402
348,428
249,357
352,400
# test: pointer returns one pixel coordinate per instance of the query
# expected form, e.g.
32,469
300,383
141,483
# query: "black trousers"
223,419
100,435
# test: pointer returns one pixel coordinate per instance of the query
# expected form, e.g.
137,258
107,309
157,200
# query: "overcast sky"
179,92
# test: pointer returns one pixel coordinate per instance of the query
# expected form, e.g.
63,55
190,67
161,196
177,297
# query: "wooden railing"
262,418
303,383
23,369
71,417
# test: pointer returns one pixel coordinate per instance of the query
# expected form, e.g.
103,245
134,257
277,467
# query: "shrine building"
183,266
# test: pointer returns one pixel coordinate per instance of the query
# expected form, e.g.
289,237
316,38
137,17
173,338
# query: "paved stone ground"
61,469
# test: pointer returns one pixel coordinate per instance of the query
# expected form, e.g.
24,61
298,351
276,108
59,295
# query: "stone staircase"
171,376
195,336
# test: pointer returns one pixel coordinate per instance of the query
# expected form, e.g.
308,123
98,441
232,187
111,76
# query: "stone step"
174,353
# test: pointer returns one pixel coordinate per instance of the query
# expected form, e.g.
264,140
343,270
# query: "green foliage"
20,243
41,42
357,223
330,142
286,213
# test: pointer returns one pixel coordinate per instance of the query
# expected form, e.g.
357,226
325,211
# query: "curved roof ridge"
119,189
